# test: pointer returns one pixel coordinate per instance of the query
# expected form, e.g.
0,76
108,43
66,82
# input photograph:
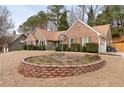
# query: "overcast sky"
20,13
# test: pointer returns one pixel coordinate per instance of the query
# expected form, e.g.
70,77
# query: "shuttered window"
85,40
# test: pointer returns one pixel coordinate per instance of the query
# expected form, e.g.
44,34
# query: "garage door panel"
103,46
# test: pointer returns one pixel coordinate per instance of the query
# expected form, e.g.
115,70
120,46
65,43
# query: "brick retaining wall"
46,71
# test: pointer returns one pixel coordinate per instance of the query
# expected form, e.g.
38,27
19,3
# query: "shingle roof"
103,29
54,35
51,35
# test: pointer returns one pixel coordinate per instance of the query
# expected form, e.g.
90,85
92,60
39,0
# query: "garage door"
103,46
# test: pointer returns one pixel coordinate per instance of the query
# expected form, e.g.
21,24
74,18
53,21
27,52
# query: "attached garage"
102,45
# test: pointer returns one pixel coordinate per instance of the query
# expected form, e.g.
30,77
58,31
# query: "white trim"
99,44
70,41
82,40
7,50
83,24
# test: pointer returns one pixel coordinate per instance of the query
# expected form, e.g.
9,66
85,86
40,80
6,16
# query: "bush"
28,47
44,47
75,47
39,48
92,47
24,47
32,47
59,47
82,49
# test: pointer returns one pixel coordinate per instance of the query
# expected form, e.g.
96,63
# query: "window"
72,40
29,43
41,42
22,41
85,40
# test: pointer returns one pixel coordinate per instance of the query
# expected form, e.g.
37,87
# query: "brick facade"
77,31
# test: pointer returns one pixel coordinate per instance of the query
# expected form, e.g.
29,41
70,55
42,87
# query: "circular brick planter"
46,71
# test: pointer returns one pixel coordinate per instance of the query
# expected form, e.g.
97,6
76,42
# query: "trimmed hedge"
59,47
28,47
82,49
75,47
92,47
32,47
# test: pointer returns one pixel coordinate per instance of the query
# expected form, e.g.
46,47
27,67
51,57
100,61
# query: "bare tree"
74,14
82,12
5,21
91,11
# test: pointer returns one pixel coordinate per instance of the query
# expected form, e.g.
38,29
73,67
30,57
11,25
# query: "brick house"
78,32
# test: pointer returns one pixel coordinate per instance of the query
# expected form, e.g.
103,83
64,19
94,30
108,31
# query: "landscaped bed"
60,65
63,59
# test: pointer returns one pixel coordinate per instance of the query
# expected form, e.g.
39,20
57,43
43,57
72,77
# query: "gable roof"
16,37
102,29
50,35
78,20
30,36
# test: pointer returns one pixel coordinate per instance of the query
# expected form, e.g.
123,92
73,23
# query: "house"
17,42
12,43
78,32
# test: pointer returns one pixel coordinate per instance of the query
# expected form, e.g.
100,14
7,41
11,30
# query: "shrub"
32,47
82,49
24,47
39,47
59,47
92,47
44,47
28,47
75,47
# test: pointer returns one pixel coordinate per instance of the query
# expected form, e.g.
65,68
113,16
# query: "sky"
20,13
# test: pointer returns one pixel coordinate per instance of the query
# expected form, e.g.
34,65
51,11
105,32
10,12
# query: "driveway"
112,74
116,53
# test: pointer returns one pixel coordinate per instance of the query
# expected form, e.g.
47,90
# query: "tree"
91,12
74,14
113,15
5,21
39,20
56,13
82,8
105,17
63,23
91,16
